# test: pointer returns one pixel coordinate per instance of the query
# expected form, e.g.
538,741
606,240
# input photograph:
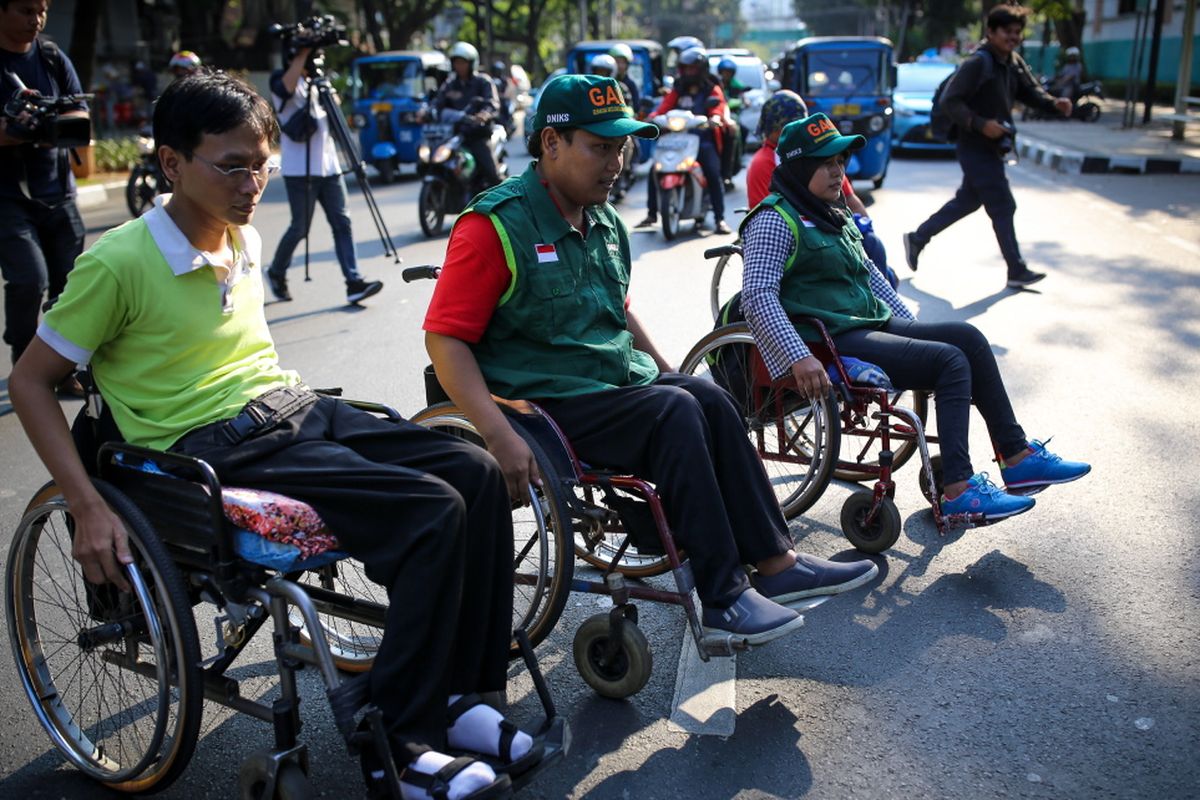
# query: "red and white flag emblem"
545,253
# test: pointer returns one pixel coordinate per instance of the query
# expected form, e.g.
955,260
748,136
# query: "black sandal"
504,764
437,785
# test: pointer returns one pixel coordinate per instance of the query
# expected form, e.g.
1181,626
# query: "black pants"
685,435
39,243
984,184
429,517
954,360
485,162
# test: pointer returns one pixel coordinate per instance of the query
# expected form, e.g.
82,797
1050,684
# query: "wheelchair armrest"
385,411
537,428
723,250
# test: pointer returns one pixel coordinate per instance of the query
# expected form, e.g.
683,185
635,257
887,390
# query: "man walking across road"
979,100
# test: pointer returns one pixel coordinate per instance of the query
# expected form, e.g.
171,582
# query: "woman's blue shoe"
984,497
1042,468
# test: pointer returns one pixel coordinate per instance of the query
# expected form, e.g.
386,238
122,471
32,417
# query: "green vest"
560,330
826,276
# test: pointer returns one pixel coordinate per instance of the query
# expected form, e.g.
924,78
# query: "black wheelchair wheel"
876,536
254,778
431,207
933,493
858,450
113,677
543,558
627,672
352,643
796,438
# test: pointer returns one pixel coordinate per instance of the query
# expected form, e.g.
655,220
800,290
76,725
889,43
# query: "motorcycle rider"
623,56
694,87
474,94
731,154
1070,75
500,78
183,63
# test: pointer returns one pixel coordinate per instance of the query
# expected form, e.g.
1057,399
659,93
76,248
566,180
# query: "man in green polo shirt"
168,310
531,304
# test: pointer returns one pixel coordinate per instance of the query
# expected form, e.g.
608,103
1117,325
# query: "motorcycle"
682,189
449,178
146,180
1085,109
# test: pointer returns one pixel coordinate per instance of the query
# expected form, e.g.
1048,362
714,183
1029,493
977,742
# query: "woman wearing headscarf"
804,257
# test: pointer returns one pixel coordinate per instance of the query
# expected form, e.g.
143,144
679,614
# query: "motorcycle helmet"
622,50
185,61
693,55
727,63
605,65
781,108
682,43
1071,52
466,51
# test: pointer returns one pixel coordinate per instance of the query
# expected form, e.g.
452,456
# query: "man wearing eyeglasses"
168,311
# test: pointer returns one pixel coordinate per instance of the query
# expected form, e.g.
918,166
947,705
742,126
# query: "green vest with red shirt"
560,329
826,276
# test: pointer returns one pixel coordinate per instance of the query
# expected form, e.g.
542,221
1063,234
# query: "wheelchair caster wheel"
254,779
626,672
934,494
876,536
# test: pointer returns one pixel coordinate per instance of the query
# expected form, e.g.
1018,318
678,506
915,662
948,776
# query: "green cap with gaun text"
590,102
814,137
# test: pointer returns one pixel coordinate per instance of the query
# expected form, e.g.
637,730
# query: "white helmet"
1072,51
622,50
605,62
464,50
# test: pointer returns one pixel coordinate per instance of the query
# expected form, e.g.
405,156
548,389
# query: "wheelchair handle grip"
723,250
422,272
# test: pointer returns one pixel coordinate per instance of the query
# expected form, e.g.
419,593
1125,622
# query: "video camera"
315,32
52,121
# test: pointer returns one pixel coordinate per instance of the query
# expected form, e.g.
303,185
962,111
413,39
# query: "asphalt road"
1054,655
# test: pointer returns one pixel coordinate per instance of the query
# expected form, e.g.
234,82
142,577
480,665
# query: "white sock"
478,730
473,778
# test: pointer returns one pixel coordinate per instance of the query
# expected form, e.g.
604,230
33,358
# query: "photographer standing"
312,173
473,94
41,232
979,100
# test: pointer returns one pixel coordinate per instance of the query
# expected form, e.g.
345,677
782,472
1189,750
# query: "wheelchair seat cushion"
278,519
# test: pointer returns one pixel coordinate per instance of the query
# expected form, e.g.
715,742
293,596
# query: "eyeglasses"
238,174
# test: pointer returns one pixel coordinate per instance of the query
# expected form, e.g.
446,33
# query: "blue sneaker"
861,372
813,576
1042,468
984,497
752,617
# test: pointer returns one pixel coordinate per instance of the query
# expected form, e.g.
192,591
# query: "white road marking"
705,700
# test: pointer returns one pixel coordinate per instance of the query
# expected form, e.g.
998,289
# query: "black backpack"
940,124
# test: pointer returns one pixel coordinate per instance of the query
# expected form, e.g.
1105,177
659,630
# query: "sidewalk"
97,194
1104,146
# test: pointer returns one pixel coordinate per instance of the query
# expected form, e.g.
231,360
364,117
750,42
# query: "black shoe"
361,290
912,250
1025,277
279,286
721,227
649,222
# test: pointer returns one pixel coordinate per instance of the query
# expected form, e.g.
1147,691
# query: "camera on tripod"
51,121
314,33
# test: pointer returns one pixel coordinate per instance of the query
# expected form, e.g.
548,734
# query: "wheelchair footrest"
722,644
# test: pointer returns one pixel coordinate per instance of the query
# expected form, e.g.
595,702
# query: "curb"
95,194
1076,162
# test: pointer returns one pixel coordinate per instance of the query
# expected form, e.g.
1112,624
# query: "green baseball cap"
591,102
814,136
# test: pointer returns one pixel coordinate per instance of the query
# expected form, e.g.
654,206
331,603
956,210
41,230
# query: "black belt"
268,410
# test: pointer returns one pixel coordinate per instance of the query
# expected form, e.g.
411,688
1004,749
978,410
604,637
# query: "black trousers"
429,517
485,162
686,436
984,183
39,243
954,360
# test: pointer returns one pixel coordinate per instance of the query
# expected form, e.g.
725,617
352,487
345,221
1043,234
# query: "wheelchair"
614,522
117,678
855,432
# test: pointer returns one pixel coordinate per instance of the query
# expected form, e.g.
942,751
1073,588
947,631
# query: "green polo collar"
550,220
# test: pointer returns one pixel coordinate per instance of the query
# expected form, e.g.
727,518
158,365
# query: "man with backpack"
42,232
976,105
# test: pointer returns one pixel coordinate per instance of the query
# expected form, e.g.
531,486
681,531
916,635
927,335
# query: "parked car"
850,79
912,102
388,92
751,73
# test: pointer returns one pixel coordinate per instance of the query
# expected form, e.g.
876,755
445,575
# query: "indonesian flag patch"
808,223
545,253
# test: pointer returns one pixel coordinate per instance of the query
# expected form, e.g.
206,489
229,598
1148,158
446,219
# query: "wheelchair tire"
932,494
726,282
290,781
629,670
352,643
133,728
852,456
543,556
877,536
798,448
